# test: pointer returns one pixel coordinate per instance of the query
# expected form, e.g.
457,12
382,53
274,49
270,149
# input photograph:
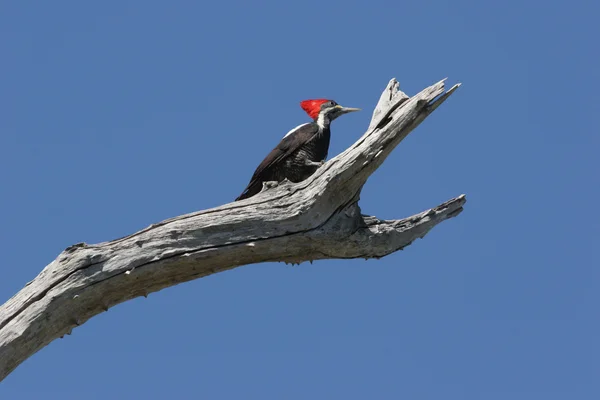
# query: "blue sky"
118,114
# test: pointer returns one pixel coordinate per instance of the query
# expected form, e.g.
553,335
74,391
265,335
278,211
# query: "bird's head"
327,109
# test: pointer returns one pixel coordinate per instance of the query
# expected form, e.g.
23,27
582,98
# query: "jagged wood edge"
315,219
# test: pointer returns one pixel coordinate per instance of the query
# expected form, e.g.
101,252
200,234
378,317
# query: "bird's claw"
270,184
317,164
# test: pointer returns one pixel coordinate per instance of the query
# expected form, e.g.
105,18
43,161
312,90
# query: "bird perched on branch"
302,150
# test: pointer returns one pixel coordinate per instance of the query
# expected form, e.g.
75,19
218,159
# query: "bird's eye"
332,103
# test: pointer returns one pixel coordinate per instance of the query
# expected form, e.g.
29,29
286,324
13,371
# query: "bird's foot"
270,185
317,164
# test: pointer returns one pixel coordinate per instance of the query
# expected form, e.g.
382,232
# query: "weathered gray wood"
316,219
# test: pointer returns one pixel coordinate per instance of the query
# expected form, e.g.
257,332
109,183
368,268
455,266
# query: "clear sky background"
118,114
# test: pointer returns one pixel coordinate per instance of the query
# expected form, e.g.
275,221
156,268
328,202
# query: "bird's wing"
288,145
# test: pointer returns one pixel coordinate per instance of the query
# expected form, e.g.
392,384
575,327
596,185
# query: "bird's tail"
242,196
250,191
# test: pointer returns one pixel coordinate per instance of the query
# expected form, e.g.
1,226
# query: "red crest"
312,107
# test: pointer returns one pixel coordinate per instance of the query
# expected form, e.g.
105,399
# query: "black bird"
301,151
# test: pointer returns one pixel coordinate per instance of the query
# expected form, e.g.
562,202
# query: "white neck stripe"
321,120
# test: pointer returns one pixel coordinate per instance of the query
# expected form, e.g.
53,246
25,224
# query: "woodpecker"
302,150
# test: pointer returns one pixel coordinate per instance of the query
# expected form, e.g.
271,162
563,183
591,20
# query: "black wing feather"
278,155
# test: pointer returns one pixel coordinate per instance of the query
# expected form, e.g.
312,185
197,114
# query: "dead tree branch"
318,218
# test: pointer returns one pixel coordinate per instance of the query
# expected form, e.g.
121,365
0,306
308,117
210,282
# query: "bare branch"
318,218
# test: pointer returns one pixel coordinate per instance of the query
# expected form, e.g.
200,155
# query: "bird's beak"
345,110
